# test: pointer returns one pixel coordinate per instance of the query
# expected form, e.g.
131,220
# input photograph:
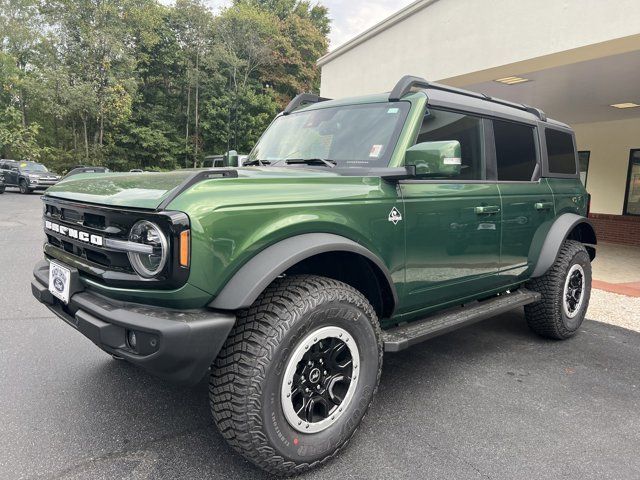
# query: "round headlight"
148,264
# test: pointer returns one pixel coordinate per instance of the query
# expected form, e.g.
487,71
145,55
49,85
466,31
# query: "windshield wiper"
311,161
257,161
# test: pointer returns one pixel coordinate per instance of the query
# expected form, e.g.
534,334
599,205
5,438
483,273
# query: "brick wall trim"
621,229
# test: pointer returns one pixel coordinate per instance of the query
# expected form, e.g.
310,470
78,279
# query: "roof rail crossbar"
467,93
408,83
301,100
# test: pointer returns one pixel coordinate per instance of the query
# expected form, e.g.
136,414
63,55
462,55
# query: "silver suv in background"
27,176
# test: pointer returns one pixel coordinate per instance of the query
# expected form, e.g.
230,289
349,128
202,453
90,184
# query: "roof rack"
302,100
410,83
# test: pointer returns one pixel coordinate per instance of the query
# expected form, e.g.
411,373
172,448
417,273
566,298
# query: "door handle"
488,209
543,205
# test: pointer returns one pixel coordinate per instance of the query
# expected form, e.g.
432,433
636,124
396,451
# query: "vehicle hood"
150,190
138,190
48,175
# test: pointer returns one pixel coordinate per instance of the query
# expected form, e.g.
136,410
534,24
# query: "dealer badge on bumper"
59,281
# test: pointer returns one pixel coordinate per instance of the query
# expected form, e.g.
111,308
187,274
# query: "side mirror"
231,159
435,159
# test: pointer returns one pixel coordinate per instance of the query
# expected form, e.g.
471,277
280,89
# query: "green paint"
456,241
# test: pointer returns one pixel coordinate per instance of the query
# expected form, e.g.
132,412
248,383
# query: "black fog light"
131,339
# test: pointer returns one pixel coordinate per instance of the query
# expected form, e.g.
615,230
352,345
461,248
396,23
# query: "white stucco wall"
449,38
610,144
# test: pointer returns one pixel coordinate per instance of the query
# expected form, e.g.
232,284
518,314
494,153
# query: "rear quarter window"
516,154
561,152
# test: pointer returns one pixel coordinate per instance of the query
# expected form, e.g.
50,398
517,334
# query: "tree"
138,83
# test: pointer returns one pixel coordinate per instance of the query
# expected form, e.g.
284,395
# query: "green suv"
361,226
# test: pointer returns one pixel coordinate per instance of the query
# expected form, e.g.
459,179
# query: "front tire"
565,289
297,373
24,188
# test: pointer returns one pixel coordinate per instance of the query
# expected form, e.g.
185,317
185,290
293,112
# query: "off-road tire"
547,317
246,378
1,190
24,189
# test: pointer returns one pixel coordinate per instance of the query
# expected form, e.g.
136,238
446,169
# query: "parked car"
27,176
212,161
85,169
367,226
219,161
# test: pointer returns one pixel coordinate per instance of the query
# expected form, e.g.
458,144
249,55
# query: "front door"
452,225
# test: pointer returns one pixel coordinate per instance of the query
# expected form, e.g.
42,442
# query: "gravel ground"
615,309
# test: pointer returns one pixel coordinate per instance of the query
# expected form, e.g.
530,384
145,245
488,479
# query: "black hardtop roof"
440,93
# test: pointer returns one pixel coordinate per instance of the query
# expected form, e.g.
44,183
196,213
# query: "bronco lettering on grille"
73,233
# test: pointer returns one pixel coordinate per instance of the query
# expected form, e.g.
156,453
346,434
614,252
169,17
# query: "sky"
348,17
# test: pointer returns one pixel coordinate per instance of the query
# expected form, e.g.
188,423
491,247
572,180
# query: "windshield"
351,135
32,167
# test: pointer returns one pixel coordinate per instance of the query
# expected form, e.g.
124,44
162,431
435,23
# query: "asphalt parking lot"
490,401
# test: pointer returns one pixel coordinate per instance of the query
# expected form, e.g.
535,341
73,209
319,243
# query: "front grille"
102,264
107,224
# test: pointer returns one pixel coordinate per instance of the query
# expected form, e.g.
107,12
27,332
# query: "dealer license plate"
59,281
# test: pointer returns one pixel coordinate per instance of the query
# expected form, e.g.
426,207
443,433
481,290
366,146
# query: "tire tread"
544,317
235,387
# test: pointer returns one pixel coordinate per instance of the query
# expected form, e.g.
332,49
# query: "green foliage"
139,84
16,137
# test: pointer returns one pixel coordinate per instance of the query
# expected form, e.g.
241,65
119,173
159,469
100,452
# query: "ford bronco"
362,226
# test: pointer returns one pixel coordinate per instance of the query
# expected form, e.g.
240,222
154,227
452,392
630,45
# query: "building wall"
449,38
609,143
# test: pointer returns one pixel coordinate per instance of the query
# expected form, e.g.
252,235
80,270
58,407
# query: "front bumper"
178,345
44,184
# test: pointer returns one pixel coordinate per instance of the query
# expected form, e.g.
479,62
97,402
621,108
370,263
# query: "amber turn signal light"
185,248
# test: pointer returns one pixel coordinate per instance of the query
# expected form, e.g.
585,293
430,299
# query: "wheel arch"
315,253
567,226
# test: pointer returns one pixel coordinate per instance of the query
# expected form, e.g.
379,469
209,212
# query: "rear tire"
297,373
565,289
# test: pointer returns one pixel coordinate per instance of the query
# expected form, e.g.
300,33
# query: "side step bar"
399,338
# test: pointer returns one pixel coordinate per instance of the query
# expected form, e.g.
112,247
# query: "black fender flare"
557,234
256,275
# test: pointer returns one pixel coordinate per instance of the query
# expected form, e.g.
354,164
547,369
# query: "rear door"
527,200
452,225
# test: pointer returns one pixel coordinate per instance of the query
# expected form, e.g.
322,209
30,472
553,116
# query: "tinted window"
562,156
439,126
515,150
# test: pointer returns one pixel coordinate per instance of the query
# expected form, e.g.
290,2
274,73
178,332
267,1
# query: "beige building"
578,60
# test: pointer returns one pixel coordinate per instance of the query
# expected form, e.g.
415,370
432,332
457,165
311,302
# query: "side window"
560,151
516,155
439,125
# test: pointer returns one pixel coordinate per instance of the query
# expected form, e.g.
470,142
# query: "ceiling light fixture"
625,105
512,80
